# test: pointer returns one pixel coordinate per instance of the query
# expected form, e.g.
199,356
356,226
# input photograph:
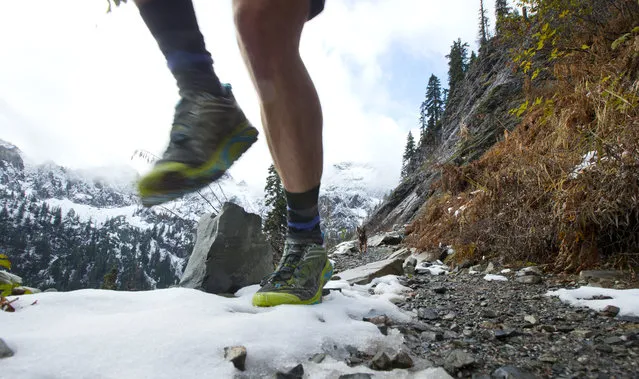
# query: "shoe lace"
291,259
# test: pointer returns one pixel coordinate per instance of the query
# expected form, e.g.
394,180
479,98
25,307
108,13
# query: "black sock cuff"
303,200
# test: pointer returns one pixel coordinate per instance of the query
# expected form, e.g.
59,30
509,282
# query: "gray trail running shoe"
209,134
299,278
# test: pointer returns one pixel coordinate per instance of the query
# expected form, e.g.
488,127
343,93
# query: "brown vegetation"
562,188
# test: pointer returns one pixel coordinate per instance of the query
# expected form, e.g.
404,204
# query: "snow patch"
181,332
626,300
99,215
499,278
436,269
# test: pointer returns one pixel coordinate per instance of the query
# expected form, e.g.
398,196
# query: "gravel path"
508,329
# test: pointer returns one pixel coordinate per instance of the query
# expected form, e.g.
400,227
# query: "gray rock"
548,358
457,360
489,313
236,355
439,290
614,340
409,266
529,279
476,268
610,311
601,274
490,268
427,314
296,372
390,238
318,358
532,320
402,253
381,361
358,375
402,360
449,316
530,271
604,348
583,333
230,252
511,372
432,336
504,333
365,274
5,351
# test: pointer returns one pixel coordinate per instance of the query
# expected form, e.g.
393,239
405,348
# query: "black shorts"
317,6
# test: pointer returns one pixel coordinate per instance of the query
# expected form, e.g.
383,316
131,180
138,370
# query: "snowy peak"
10,155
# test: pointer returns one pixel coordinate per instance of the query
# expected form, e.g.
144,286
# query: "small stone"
511,372
530,271
614,340
476,268
336,277
439,290
504,333
532,320
296,372
457,360
236,355
381,361
483,304
565,328
548,328
489,313
604,348
358,375
529,279
583,359
548,358
450,316
5,351
583,333
455,328
402,360
383,329
449,334
427,314
432,336
490,268
610,311
318,358
377,320
467,333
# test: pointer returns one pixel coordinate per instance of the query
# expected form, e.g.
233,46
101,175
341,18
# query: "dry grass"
524,200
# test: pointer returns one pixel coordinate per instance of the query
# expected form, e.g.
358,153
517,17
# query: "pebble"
548,358
504,333
610,311
511,372
296,372
604,348
439,290
489,313
381,361
5,351
236,355
432,336
529,279
427,314
583,333
614,340
449,316
532,320
458,359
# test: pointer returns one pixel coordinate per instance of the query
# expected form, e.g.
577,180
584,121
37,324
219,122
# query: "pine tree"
457,64
409,155
432,107
483,24
473,58
501,12
275,224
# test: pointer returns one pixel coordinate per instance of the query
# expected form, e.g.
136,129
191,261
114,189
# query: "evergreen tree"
483,24
501,11
473,58
109,280
434,102
275,224
457,64
409,155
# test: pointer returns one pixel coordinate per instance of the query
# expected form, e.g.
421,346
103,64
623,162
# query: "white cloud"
84,88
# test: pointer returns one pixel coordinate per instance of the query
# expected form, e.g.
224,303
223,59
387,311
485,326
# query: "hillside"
536,159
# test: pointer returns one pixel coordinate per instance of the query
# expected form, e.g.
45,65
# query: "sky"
84,88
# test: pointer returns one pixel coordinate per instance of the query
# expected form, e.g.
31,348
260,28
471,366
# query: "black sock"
303,216
174,26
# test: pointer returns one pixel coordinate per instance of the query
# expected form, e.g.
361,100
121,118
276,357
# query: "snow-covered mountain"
67,228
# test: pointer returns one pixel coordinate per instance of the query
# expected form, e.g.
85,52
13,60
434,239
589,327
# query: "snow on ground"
626,300
491,277
99,215
435,269
181,333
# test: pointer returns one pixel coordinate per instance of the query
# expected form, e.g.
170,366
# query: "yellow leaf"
4,262
585,47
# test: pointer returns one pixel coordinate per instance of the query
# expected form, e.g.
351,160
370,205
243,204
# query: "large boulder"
230,252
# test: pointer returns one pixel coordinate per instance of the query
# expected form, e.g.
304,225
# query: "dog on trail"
363,241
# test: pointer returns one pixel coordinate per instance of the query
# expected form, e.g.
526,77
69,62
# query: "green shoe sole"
271,299
171,180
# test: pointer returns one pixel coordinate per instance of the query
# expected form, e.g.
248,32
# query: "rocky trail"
485,321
